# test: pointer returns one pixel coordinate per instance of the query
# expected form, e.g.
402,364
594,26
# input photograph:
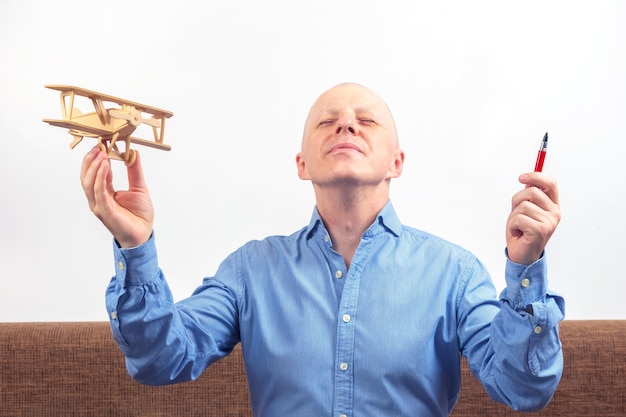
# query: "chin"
345,179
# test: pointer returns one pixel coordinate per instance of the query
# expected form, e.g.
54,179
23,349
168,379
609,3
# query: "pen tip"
545,137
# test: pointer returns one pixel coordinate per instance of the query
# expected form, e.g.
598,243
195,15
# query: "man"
355,314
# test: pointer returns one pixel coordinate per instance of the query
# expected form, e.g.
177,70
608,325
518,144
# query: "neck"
347,214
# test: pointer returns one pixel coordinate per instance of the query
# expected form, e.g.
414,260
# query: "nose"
346,125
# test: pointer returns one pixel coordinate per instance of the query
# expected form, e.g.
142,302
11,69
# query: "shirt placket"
346,327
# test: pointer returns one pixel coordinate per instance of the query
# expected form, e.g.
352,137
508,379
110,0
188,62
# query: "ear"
395,170
303,173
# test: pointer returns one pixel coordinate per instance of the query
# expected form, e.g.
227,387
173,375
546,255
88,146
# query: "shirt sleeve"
164,342
518,356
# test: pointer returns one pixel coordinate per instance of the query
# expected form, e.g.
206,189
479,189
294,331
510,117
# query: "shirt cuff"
525,283
138,265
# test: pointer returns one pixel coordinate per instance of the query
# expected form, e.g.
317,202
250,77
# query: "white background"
473,87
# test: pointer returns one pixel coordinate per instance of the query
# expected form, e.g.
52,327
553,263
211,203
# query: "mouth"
345,147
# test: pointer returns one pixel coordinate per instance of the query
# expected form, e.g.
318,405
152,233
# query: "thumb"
135,175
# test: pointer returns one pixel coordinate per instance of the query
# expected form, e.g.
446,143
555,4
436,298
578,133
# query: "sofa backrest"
75,369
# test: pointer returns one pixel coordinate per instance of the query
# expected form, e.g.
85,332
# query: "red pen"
541,155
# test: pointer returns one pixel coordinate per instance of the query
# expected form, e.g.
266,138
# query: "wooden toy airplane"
110,126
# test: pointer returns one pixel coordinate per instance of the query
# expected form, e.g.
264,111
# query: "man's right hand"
128,214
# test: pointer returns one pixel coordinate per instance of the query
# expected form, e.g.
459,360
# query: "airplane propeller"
133,116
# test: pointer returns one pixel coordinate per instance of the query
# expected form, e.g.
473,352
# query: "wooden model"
110,125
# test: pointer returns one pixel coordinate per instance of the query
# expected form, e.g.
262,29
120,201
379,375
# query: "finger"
102,188
534,196
109,177
89,169
533,228
528,217
525,241
519,225
528,212
88,160
534,212
542,181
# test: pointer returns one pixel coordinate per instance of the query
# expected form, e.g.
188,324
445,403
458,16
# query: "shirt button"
113,315
343,366
343,415
525,282
538,329
120,265
326,239
338,274
346,318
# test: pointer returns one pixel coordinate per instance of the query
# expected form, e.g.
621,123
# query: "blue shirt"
381,338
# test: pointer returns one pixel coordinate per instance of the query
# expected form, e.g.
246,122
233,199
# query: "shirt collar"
386,218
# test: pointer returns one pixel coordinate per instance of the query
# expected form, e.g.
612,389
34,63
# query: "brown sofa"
75,369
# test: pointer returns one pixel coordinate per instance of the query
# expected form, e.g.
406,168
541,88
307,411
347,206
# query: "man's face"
349,139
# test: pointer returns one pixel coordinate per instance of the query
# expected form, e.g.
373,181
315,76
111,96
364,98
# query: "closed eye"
325,123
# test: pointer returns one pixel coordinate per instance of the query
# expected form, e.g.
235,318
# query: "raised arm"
163,342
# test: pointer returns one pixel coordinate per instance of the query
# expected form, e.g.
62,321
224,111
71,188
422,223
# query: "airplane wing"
79,127
150,144
105,97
